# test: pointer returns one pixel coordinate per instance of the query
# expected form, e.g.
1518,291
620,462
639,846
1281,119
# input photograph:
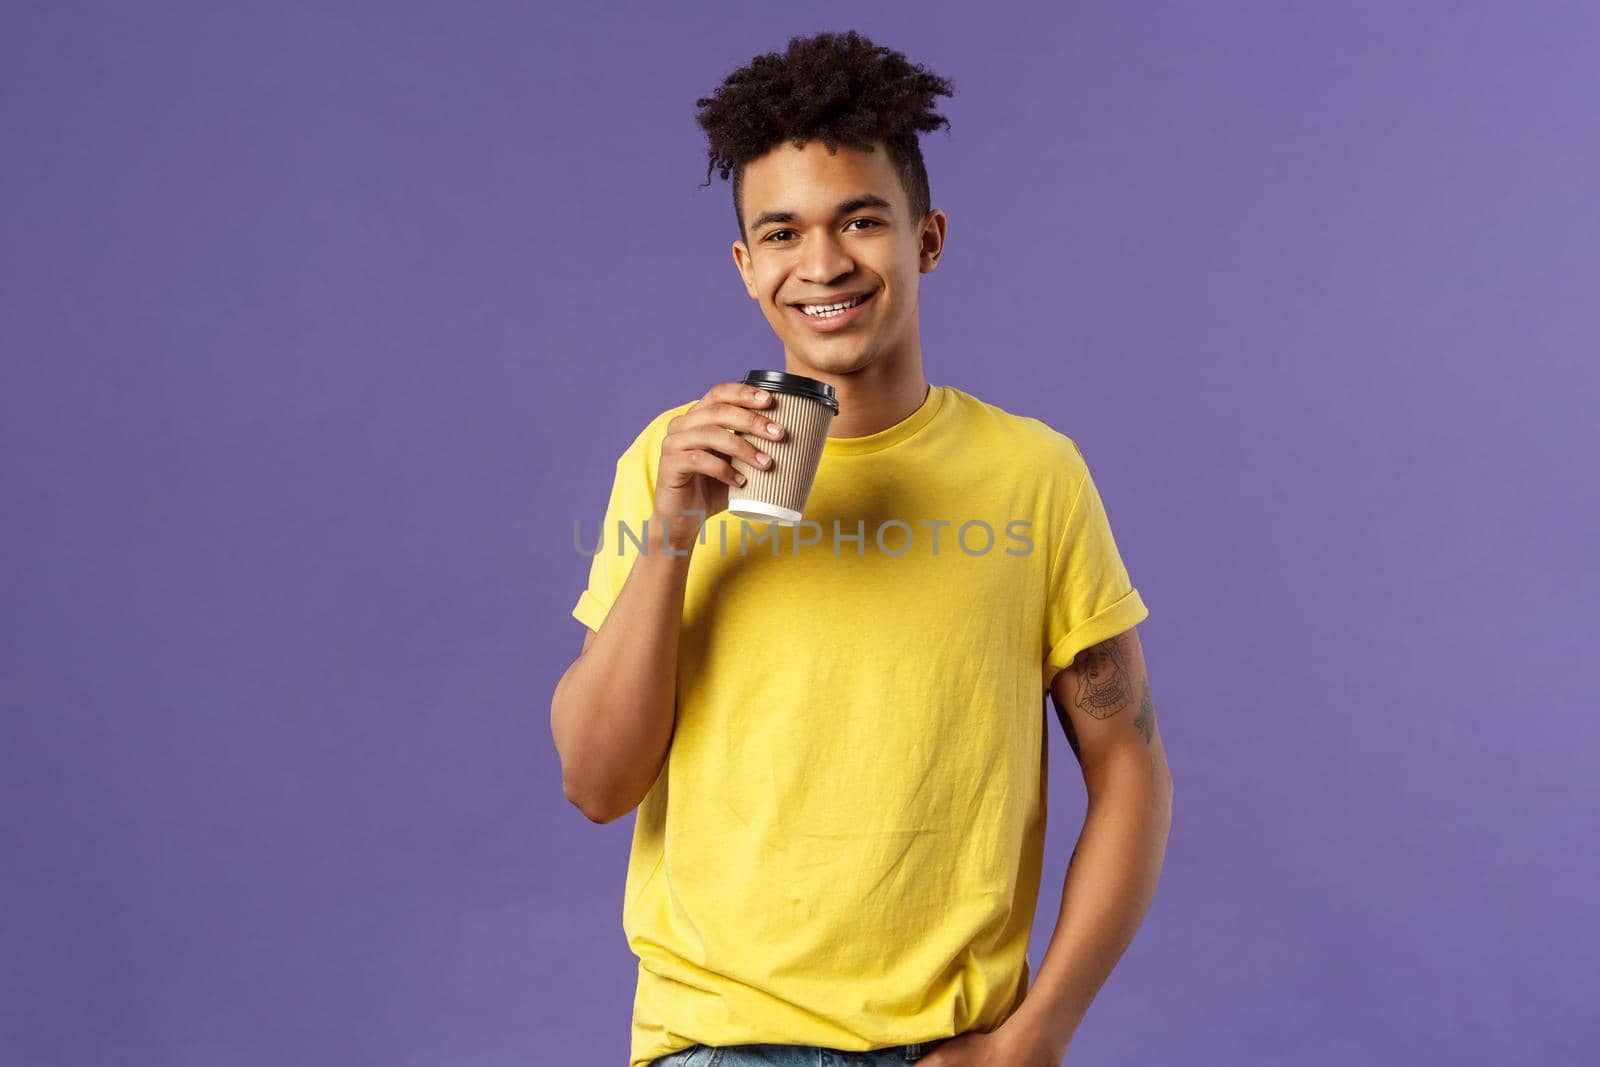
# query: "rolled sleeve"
1091,598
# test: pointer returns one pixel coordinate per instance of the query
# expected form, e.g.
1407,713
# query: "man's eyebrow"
855,203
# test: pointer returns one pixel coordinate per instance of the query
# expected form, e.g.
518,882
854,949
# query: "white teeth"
826,310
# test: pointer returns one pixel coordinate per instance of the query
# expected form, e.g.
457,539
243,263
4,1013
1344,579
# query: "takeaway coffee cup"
803,407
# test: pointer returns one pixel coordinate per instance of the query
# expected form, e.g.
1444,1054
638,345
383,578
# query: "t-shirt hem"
1108,622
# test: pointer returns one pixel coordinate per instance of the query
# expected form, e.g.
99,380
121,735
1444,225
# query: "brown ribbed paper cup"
804,407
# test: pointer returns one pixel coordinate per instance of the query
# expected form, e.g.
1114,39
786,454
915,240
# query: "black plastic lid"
780,382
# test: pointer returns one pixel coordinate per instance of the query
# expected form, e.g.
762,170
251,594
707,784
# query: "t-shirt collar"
889,435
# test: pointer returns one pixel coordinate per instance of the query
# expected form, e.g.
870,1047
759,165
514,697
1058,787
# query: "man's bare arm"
613,711
1104,704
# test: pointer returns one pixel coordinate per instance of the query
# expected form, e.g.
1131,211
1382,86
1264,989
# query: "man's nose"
824,260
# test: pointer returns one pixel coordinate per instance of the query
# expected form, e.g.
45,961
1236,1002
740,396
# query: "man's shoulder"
1029,438
648,438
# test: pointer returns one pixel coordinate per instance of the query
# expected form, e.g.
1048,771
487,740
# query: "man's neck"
872,399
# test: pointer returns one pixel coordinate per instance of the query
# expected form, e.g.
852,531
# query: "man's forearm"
1110,882
613,712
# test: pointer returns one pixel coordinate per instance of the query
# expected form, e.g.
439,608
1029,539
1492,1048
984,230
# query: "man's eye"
852,222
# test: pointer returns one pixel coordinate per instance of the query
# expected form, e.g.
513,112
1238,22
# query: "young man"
835,738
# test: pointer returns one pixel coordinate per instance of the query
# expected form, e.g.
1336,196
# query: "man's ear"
931,239
741,259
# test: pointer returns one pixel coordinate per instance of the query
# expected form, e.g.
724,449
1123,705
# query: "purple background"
322,324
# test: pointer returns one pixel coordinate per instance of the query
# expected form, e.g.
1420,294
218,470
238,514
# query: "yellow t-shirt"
843,847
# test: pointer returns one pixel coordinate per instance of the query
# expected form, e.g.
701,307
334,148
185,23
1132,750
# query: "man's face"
815,253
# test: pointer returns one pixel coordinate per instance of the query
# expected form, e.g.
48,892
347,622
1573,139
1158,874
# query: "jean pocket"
693,1056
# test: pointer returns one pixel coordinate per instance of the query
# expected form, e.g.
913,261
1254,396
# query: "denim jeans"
793,1056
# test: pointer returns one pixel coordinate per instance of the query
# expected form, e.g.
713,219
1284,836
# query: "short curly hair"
839,88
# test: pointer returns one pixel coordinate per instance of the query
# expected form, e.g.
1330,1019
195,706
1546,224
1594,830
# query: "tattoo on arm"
1146,719
1102,687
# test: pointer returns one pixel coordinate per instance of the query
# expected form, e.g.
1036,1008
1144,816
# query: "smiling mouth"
836,310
